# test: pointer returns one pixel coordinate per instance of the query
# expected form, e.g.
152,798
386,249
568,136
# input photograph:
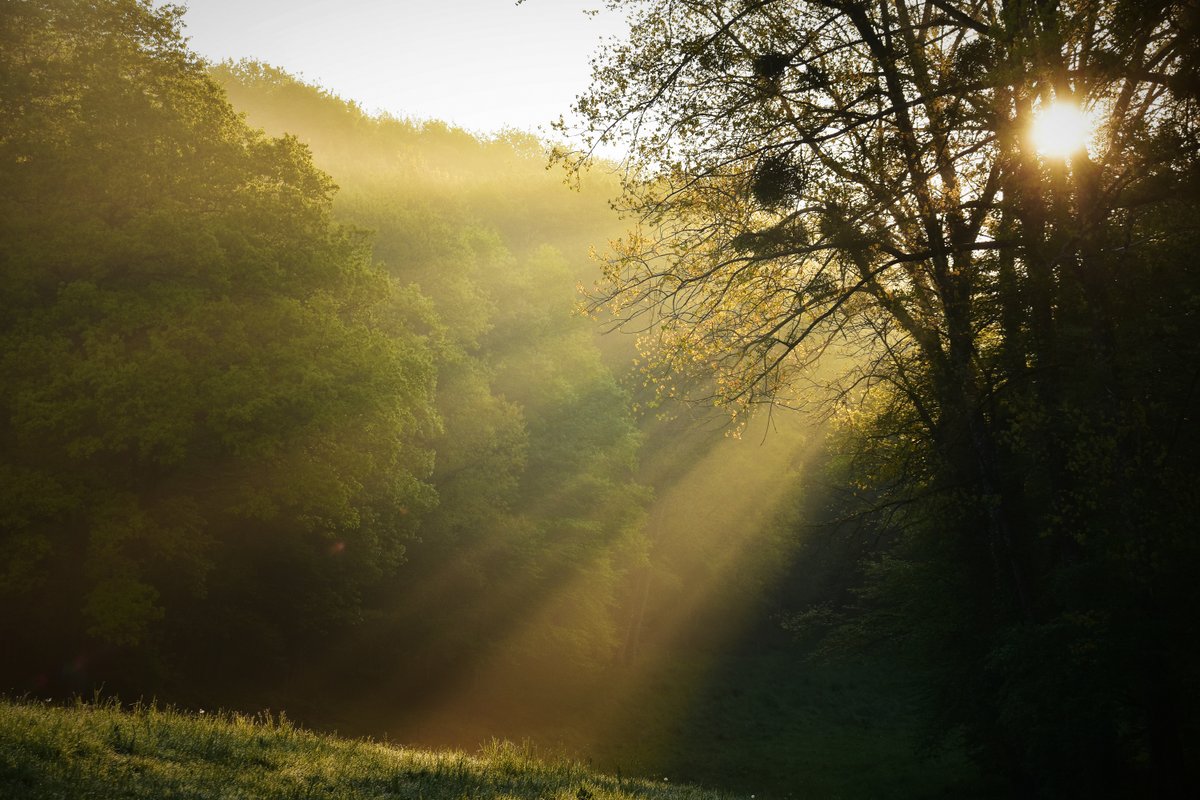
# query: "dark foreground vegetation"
296,411
86,751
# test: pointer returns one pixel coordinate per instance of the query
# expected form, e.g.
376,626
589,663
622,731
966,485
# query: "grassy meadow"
102,751
761,725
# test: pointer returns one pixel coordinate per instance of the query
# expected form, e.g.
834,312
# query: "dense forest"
264,419
888,494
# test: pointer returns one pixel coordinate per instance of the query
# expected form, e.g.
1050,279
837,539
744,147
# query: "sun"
1060,130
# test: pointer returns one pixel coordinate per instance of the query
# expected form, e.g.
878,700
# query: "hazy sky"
480,64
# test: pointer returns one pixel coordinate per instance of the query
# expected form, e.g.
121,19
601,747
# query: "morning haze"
362,437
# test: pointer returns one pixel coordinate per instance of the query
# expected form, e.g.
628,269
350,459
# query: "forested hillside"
205,376
246,421
889,491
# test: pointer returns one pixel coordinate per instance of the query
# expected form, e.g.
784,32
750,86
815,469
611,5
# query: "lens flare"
1060,130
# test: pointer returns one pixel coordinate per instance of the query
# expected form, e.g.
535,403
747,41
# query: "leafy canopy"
194,354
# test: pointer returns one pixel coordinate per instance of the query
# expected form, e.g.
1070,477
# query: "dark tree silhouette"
863,179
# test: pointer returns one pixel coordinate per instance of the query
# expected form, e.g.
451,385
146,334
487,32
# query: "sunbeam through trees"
810,413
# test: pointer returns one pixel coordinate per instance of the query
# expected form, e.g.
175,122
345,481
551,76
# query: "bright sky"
480,64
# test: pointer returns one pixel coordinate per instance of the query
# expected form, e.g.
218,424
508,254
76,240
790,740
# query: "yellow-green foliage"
102,751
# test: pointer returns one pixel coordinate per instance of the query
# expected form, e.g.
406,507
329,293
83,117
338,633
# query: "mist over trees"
536,457
243,420
297,407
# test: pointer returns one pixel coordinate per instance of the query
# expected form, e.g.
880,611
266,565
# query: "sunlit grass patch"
102,751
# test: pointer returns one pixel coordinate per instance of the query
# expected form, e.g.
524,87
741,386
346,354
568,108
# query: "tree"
860,180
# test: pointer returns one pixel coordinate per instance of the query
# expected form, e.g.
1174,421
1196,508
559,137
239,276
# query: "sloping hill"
92,751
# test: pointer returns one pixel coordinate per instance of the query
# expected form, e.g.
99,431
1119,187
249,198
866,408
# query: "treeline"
257,429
